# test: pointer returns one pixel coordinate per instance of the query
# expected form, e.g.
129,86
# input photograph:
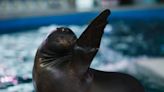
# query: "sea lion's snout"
62,39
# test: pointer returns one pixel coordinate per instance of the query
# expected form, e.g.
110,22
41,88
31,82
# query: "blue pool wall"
79,18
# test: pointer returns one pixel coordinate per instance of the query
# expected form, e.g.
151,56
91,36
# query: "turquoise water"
118,51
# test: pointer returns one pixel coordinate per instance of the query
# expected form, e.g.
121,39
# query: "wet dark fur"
62,63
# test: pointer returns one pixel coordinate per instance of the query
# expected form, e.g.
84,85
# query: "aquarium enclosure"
133,41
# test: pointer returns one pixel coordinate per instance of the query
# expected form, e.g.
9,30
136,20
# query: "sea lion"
62,63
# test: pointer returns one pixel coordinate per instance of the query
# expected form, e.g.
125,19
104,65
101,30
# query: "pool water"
119,48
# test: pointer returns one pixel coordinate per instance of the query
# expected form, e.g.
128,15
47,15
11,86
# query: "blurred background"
133,41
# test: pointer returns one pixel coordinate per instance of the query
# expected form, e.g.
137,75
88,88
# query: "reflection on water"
121,44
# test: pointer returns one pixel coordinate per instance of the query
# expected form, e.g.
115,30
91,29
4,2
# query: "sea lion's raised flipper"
88,43
91,37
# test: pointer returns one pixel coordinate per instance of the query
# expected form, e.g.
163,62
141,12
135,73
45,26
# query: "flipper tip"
107,11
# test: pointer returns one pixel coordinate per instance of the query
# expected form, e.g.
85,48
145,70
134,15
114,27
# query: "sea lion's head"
61,40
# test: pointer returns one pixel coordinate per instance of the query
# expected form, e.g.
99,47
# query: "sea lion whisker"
46,55
47,60
54,62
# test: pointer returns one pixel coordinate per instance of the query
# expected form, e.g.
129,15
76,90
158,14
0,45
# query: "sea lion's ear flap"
88,43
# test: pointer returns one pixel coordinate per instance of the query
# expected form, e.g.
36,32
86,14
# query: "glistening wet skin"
68,61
